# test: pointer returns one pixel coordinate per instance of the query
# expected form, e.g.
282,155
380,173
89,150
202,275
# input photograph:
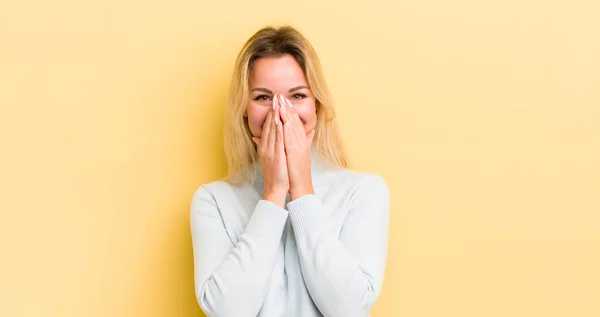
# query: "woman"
291,231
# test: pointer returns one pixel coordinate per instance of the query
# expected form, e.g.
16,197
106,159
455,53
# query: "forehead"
276,72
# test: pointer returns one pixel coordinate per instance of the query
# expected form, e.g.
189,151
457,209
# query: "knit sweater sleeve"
232,280
344,275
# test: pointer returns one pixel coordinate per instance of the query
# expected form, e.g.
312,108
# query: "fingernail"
283,109
274,102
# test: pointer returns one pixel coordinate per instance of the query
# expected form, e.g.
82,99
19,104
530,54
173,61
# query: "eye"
262,98
298,96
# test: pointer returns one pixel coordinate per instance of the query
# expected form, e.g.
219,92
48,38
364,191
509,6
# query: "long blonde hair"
269,41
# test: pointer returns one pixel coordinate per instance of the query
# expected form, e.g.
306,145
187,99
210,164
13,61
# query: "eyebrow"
270,92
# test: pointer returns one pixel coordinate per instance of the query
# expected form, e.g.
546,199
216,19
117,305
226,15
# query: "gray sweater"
323,255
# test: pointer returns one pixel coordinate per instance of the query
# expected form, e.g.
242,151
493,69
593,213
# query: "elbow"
207,304
365,299
371,293
214,302
356,304
369,297
211,302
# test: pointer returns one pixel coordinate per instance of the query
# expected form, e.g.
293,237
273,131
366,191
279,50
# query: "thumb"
255,139
311,136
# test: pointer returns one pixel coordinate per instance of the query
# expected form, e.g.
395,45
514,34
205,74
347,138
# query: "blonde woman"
292,231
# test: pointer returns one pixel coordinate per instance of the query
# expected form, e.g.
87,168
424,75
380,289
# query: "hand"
297,150
272,158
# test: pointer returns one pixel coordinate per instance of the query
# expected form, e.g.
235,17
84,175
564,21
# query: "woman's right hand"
273,162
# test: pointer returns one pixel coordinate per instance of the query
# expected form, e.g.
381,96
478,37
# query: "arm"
344,276
232,280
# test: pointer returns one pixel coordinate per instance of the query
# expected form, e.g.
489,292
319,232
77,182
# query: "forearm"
335,280
238,286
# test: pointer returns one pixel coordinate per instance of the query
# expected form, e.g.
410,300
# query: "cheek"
257,114
306,111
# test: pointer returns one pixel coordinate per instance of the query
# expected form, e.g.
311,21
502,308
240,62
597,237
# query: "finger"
276,108
266,131
289,110
290,125
295,136
288,135
283,113
272,131
297,123
311,136
279,142
290,105
293,110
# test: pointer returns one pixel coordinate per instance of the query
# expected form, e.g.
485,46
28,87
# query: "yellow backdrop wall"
484,118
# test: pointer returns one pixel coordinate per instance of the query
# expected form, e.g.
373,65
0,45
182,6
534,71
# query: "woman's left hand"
297,145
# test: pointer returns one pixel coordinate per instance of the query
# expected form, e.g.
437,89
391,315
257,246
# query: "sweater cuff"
307,216
267,219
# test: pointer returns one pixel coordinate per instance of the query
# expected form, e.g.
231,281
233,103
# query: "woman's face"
282,76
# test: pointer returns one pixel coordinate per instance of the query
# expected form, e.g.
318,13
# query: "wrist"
276,197
300,191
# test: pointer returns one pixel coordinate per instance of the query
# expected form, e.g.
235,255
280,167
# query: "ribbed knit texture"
323,255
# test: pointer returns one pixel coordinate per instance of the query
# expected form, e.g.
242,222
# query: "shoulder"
357,179
358,183
209,191
223,190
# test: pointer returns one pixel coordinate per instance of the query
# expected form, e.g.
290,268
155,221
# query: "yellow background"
483,116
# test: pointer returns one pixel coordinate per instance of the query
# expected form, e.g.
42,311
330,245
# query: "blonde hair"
269,41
